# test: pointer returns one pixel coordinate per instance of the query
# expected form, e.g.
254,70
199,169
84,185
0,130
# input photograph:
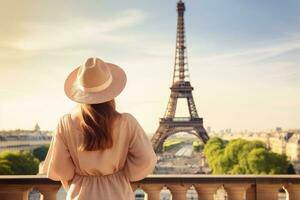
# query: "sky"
243,59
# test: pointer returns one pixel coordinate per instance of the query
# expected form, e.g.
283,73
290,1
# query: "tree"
291,169
213,151
197,145
18,163
40,152
243,157
262,161
5,168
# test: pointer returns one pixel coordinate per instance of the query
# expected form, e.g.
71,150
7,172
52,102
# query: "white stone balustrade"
238,187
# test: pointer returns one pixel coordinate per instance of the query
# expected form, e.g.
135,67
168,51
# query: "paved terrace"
238,187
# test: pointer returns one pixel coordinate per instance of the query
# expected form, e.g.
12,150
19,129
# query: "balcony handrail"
171,178
249,187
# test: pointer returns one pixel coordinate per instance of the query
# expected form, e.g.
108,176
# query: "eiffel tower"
181,88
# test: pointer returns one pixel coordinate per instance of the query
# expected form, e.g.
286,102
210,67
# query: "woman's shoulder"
128,118
69,121
72,119
126,115
63,119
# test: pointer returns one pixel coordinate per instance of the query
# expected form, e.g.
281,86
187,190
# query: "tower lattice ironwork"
181,88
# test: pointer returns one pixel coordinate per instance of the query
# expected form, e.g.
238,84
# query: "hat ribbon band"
97,88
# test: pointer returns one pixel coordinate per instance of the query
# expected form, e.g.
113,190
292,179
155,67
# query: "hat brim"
113,90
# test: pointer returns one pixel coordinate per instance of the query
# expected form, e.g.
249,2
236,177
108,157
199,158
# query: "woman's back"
131,158
125,129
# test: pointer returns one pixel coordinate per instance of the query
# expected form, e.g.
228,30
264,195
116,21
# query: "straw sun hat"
95,82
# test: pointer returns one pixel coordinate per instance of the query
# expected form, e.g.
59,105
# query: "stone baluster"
48,192
251,193
267,191
178,191
236,191
152,190
206,191
293,191
15,192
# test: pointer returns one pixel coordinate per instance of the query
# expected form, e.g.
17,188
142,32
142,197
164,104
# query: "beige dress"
102,174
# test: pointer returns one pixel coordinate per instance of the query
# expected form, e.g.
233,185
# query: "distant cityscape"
20,139
281,141
180,159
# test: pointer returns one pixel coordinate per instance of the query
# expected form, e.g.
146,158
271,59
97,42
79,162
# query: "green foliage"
243,157
291,169
171,143
40,152
5,168
213,151
18,163
197,145
262,161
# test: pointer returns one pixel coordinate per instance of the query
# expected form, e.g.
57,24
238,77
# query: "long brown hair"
97,123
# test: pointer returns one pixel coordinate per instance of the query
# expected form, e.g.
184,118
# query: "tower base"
171,126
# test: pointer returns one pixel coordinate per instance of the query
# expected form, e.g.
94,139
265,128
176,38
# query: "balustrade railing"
237,187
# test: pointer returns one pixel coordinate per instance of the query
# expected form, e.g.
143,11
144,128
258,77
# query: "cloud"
273,62
254,55
76,31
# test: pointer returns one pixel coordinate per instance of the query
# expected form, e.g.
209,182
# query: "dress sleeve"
141,158
58,164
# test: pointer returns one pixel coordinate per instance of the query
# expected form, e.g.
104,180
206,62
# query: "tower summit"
181,88
180,57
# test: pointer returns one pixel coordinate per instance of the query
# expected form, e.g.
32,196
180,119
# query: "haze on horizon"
243,59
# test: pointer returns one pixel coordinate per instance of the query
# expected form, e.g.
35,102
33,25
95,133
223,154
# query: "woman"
96,152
